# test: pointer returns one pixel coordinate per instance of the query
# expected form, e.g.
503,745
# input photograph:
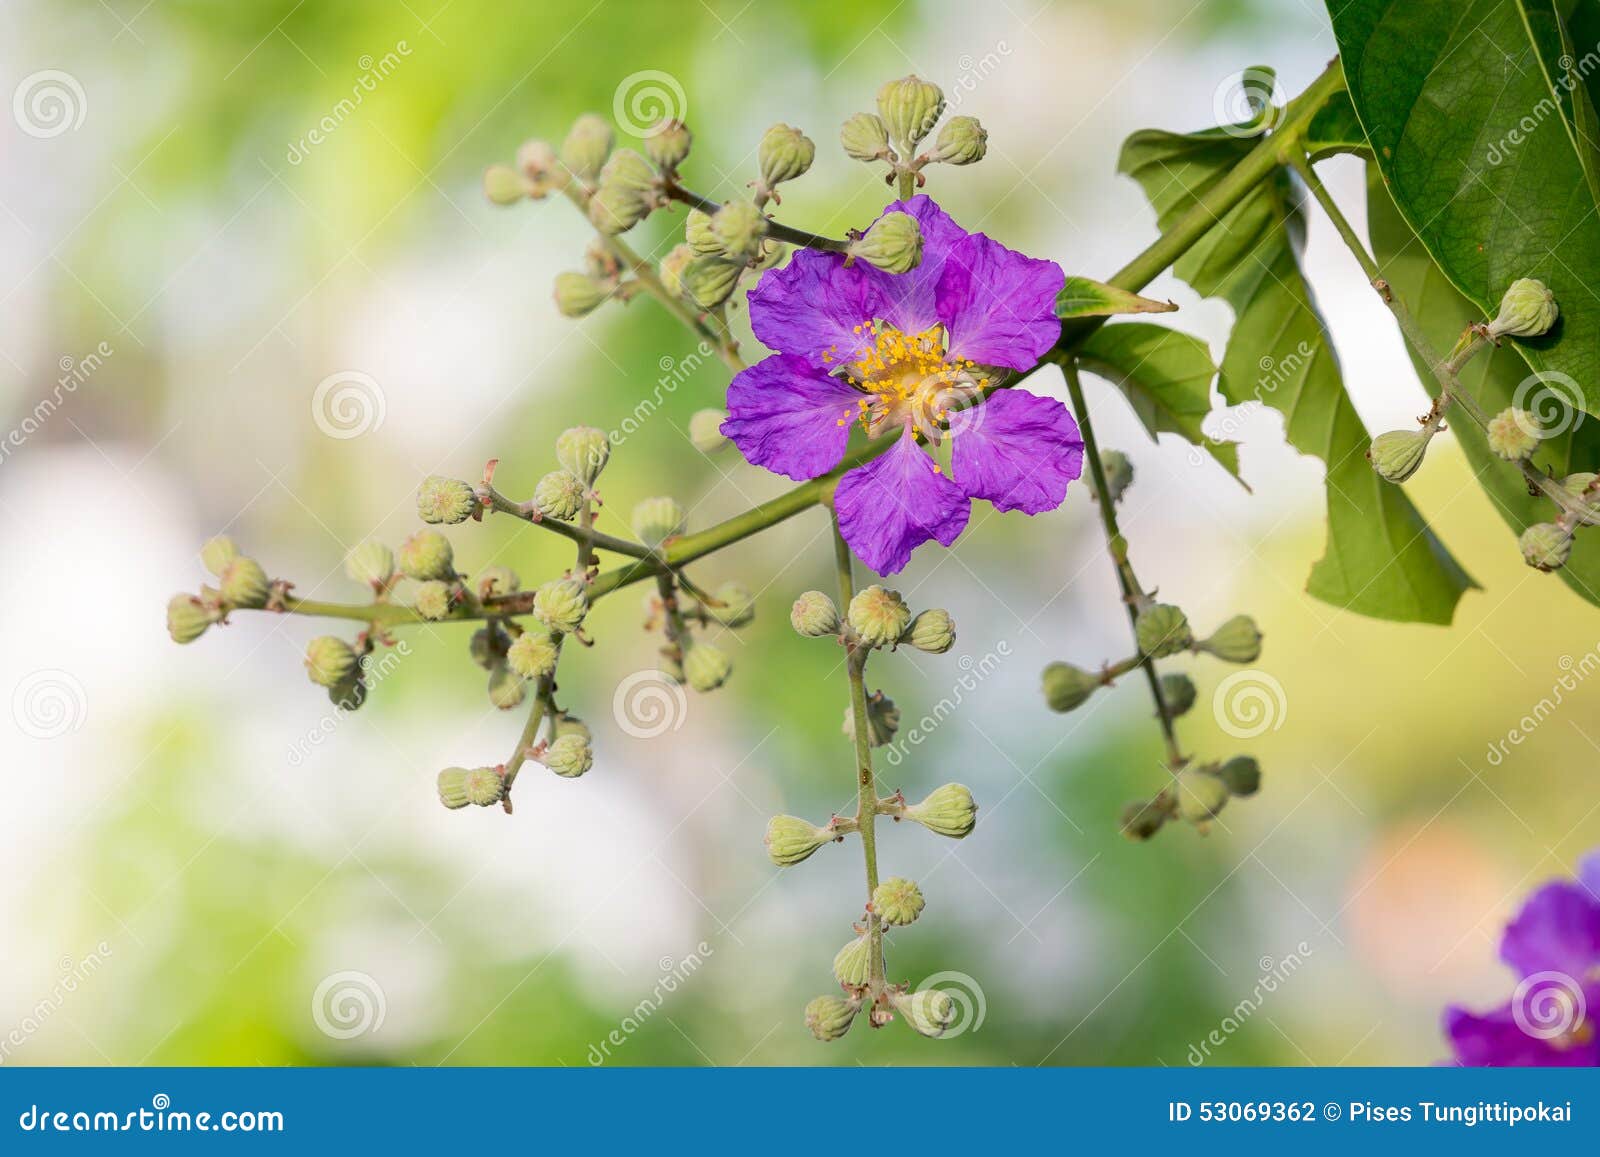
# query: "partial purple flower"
916,353
1554,947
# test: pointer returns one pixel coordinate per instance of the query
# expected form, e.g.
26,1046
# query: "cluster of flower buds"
1527,310
1195,796
241,584
908,111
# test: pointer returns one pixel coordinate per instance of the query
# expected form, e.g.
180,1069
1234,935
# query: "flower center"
908,379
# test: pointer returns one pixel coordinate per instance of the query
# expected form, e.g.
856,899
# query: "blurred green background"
198,870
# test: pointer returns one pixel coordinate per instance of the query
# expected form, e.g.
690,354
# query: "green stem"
529,512
775,229
866,783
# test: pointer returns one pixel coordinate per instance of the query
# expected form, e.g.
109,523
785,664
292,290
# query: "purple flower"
1554,947
914,353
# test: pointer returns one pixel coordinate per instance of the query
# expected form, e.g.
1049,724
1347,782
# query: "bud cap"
1528,309
1397,454
1514,434
1162,629
931,631
569,756
910,107
893,243
584,452
947,811
961,141
814,615
879,616
790,839
1546,546
446,500
427,555
706,668
897,901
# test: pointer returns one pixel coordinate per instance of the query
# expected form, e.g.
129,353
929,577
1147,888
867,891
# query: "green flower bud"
865,137
578,294
710,281
587,146
829,1017
699,235
1241,774
489,646
569,724
667,144
617,208
947,811
1236,641
371,563
1178,690
670,269
929,1011
584,452
784,154
931,631
218,553
705,430
427,555
507,689
657,519
561,604
244,583
447,500
738,605
559,495
1545,546
504,185
852,964
1066,687
739,227
790,839
459,787
1528,309
1143,818
961,141
532,655
350,693
1514,434
897,901
1162,629
1119,472
814,615
878,616
883,720
539,164
1201,795
434,599
1397,454
1579,486
329,660
497,582
893,243
706,668
187,618
569,756
910,107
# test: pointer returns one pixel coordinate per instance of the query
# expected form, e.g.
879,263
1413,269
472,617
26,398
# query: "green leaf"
1082,297
1493,378
1381,559
1166,375
1484,135
1335,129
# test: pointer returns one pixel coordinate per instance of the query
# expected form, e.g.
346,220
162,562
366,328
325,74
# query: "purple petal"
813,305
788,415
895,503
1558,930
1016,450
999,306
910,299
1589,874
1496,1039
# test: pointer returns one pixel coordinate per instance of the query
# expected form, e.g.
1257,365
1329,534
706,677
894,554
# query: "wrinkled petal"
1016,450
909,300
1496,1039
999,306
814,305
1558,930
895,503
788,415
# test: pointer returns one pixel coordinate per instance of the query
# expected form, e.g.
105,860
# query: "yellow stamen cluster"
904,377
